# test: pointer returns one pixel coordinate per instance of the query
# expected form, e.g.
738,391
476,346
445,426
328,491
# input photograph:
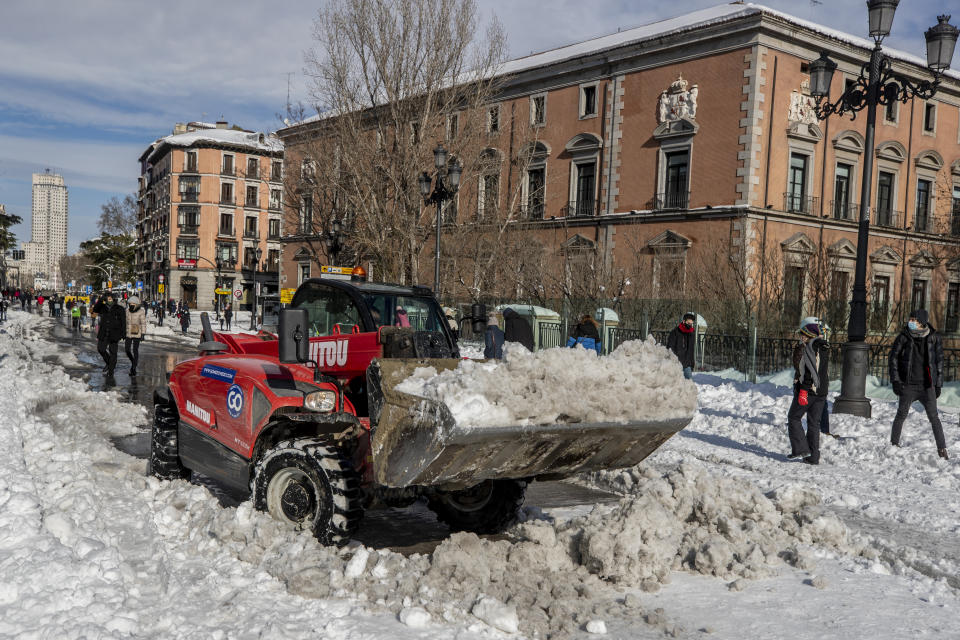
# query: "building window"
251,199
952,324
489,196
675,180
796,200
226,193
929,117
227,252
583,202
273,228
923,205
880,303
453,125
536,189
187,249
670,273
448,210
227,167
538,110
793,282
305,223
918,294
250,227
276,170
303,273
955,211
250,259
891,112
273,260
226,224
885,216
588,101
841,192
188,217
189,189
253,169
275,199
190,161
493,119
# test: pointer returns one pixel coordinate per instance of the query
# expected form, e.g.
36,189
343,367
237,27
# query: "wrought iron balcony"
250,234
190,196
955,221
533,211
843,210
191,168
887,218
252,175
672,200
227,171
808,205
580,208
225,231
189,229
227,200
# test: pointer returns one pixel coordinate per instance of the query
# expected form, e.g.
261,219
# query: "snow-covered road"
717,537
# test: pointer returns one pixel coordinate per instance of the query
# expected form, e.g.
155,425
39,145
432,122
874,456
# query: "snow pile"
639,380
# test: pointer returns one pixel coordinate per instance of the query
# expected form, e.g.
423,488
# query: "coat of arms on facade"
802,105
677,102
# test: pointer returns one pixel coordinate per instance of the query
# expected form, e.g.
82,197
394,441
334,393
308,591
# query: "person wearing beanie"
136,328
916,373
811,381
682,342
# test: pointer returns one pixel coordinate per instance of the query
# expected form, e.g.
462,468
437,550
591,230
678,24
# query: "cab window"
419,313
331,311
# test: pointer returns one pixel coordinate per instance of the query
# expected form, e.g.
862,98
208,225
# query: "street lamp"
442,192
333,241
253,310
877,84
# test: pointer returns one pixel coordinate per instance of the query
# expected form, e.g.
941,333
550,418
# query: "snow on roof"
266,143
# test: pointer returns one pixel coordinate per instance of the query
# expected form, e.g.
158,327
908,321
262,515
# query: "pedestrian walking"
136,330
228,314
184,320
84,316
916,372
517,329
493,339
586,334
811,363
682,341
75,317
4,303
113,324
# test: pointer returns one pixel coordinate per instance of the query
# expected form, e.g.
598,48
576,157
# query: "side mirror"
478,315
293,335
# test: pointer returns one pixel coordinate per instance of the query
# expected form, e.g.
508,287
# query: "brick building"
666,154
209,192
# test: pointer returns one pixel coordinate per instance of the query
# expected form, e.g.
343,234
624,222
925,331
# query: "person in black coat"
811,363
113,328
916,372
517,329
682,342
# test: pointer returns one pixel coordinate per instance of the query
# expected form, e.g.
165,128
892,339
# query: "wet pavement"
410,530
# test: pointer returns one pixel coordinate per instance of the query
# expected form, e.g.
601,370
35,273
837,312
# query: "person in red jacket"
811,358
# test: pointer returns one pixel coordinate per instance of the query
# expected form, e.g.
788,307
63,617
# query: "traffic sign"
159,288
223,292
160,278
238,293
103,284
89,288
139,284
109,284
286,295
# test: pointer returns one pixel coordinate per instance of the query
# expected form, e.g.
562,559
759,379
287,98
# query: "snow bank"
640,379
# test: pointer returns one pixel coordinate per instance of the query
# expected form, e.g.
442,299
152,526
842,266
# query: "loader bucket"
416,441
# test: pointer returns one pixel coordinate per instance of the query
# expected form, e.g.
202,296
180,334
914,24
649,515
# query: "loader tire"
164,461
489,507
308,483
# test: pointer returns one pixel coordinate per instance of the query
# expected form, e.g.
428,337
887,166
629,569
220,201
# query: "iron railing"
189,229
580,208
672,200
843,210
888,218
190,196
808,205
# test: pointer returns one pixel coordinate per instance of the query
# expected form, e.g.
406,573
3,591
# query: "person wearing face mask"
113,326
136,328
916,372
682,342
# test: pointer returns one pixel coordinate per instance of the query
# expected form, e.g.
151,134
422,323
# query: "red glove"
802,398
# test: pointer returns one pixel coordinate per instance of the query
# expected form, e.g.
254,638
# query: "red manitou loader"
309,423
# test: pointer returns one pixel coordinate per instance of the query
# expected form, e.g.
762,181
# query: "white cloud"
92,165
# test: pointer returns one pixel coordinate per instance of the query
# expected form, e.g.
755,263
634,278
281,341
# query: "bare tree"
75,268
389,80
119,217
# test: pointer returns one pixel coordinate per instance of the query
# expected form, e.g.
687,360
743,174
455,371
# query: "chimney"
221,124
179,128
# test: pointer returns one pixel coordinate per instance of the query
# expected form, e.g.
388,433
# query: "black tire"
309,484
164,461
489,507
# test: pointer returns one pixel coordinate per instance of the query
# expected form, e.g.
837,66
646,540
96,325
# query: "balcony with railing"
580,208
887,218
923,222
229,200
672,200
225,230
227,171
807,205
191,168
250,234
189,229
955,220
843,210
532,211
190,196
252,175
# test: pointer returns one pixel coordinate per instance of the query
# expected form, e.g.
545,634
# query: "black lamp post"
253,309
333,241
442,192
877,84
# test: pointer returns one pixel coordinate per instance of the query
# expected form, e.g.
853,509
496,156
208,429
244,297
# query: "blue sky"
86,86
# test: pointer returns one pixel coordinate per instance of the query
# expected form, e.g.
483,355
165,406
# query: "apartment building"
209,195
660,148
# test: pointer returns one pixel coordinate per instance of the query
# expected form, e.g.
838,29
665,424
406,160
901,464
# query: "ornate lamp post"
253,309
877,84
442,191
333,241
